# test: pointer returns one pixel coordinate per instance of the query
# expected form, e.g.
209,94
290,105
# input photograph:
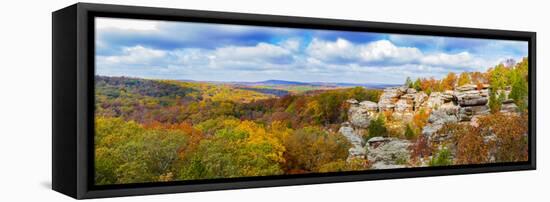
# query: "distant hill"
316,84
270,91
115,86
282,82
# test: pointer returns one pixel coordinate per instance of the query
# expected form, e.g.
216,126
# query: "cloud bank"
213,52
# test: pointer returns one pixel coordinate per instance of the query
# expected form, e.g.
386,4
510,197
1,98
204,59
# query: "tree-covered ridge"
219,138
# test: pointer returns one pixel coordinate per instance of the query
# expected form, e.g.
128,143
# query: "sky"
219,52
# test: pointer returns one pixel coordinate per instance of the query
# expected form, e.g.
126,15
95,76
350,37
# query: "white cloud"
340,49
444,59
385,53
382,51
134,55
262,57
260,52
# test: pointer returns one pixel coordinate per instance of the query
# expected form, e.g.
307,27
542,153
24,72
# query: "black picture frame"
73,99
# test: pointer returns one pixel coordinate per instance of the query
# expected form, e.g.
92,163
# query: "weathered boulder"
429,130
419,99
435,100
369,105
472,100
448,96
469,95
360,114
385,153
467,87
354,138
484,92
466,113
447,113
352,101
404,105
509,107
449,108
389,97
409,97
404,109
507,101
411,91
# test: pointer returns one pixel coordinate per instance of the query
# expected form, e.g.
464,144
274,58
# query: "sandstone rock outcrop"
434,100
447,113
463,105
389,97
356,140
472,101
386,153
419,99
509,107
360,114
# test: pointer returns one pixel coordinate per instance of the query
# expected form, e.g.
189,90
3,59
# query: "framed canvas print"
154,100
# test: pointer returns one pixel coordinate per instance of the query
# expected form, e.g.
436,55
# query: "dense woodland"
165,130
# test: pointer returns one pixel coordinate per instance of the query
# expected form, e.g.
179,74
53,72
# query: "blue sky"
214,52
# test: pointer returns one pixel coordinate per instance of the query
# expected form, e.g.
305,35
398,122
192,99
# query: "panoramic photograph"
183,101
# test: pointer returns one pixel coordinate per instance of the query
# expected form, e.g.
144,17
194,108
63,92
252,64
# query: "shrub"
420,119
442,158
511,135
471,147
494,102
420,149
377,127
310,148
409,132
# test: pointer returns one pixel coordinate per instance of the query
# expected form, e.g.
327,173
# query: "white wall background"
25,100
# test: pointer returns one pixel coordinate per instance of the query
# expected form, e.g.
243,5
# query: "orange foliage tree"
511,135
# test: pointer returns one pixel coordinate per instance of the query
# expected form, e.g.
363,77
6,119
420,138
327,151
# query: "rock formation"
356,140
360,114
472,101
508,106
462,105
386,153
389,97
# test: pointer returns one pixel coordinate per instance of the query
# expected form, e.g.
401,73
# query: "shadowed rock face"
389,97
385,153
354,138
404,105
472,102
360,114
509,107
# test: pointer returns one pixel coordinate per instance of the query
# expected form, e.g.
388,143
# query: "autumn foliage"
145,133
